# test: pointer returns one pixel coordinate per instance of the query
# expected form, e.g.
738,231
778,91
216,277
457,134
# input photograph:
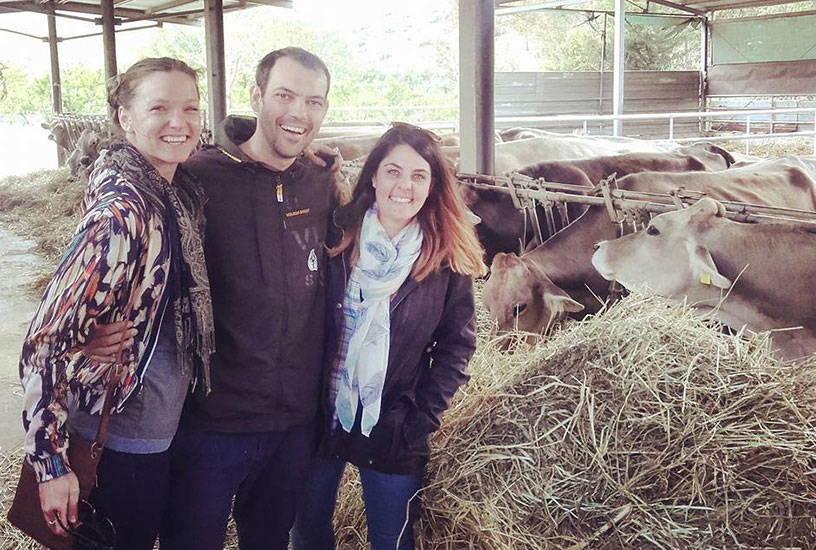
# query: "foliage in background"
363,75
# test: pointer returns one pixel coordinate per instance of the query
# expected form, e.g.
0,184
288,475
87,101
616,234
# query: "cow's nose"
85,161
596,246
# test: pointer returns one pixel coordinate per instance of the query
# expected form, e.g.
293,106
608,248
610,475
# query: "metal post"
216,66
814,131
601,72
747,134
56,84
617,81
476,107
703,105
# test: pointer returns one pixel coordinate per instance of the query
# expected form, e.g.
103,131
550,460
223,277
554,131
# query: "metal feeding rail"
619,203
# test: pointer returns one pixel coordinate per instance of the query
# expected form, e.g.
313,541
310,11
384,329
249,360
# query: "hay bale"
640,428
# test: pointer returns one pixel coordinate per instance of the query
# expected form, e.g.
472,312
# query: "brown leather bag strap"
116,374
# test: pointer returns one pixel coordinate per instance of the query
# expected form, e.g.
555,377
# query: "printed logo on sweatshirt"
312,263
300,212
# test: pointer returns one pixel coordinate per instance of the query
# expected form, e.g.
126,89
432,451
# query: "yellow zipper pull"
279,190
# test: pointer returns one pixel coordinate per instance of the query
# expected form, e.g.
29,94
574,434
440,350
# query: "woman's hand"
105,340
58,500
319,153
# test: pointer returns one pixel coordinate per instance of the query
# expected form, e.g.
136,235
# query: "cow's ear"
704,268
561,302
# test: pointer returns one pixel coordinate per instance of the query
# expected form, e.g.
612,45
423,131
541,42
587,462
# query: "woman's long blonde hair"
448,236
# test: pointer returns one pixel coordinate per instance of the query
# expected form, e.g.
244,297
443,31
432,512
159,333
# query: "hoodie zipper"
282,247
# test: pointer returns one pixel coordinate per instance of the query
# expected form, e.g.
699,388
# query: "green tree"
83,90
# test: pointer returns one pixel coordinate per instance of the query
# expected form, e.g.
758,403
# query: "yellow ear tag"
705,278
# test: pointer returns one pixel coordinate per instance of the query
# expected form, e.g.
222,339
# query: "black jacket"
266,261
432,339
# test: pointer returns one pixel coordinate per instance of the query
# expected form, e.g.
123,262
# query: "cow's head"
667,258
520,296
58,134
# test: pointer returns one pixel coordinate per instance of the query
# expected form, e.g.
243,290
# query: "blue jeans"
265,473
132,492
390,508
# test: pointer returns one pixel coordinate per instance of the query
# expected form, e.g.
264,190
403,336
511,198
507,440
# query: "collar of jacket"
235,130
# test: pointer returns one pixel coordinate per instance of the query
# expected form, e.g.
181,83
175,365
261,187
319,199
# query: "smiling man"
250,437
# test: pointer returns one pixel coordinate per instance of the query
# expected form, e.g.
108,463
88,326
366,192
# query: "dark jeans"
265,473
132,491
390,508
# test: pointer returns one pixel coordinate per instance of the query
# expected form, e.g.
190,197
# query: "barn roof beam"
167,5
92,34
124,14
680,7
536,7
5,7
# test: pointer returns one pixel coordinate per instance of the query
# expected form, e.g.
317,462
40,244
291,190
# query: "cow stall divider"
627,209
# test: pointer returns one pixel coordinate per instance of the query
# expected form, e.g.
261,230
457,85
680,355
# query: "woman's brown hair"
122,87
449,238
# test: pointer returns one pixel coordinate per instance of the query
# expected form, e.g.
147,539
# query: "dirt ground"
17,305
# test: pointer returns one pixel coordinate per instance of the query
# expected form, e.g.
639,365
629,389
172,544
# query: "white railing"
670,118
583,122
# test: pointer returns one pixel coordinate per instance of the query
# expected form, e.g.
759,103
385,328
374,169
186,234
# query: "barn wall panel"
780,78
580,93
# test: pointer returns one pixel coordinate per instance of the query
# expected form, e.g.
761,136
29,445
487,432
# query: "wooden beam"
216,65
476,79
108,41
56,83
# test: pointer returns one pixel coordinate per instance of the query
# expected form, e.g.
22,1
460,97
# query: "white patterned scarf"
383,266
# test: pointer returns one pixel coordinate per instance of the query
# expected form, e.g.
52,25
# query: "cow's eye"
652,230
518,309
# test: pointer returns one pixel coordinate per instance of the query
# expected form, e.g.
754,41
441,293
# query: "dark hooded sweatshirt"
267,266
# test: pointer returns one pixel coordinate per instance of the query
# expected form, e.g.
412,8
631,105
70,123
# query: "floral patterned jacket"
118,262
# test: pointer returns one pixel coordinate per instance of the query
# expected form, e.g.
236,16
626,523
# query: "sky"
395,23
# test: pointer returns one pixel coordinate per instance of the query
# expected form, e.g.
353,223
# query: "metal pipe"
617,86
653,202
747,134
476,79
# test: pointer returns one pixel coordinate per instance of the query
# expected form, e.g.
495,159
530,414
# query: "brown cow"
528,292
85,153
758,277
503,226
58,133
354,147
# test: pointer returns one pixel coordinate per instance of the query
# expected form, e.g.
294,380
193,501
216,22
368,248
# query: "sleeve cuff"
50,467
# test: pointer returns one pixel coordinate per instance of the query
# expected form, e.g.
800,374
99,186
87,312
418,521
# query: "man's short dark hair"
307,59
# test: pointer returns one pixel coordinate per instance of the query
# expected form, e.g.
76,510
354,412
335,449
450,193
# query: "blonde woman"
137,261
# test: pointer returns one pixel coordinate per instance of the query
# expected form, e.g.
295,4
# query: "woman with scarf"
136,260
401,333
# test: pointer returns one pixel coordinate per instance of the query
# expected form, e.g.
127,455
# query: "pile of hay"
42,206
640,428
